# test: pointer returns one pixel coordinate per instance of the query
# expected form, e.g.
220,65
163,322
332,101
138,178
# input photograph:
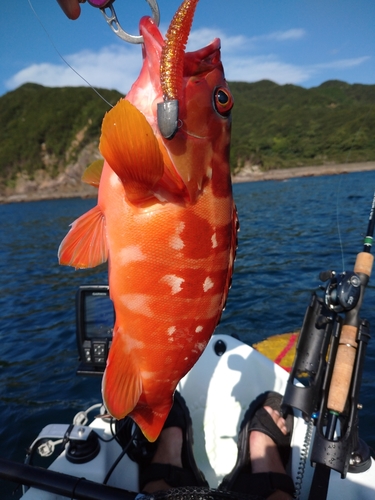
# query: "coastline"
248,174
254,174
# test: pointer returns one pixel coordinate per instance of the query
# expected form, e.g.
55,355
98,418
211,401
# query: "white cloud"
292,34
281,36
203,36
112,67
253,69
241,67
244,59
343,63
200,38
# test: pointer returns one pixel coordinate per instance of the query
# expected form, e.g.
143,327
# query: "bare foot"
168,452
264,455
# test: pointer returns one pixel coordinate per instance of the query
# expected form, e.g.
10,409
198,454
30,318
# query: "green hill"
46,129
288,126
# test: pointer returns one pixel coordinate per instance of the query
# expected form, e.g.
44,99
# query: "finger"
71,8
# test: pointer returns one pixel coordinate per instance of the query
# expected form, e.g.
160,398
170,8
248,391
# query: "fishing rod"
330,353
348,341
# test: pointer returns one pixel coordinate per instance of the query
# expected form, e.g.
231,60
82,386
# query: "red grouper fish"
165,219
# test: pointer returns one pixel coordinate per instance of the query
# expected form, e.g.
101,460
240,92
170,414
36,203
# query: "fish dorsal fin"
86,243
93,173
131,149
122,383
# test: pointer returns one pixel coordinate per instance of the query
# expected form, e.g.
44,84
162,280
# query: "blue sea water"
290,231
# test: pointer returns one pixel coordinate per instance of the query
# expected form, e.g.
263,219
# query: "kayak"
218,390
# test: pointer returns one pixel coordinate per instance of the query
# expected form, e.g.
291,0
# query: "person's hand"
71,8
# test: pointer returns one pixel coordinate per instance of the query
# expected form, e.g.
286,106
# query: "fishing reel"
342,291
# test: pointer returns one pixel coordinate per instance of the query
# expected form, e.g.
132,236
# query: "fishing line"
62,57
338,191
338,224
120,457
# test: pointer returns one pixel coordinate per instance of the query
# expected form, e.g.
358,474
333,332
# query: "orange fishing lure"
166,221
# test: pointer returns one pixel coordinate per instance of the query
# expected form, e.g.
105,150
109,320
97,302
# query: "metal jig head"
167,116
113,21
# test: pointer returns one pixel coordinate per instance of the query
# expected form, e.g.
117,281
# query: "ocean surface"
290,231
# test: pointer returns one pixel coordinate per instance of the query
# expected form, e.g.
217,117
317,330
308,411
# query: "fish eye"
223,101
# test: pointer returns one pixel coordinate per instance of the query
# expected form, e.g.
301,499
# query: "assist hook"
113,21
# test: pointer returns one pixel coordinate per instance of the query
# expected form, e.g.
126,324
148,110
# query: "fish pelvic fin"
86,243
151,420
122,382
131,149
93,173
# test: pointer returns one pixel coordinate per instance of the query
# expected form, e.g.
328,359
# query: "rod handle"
347,349
343,369
363,263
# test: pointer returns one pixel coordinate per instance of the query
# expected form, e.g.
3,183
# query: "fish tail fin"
151,420
86,244
122,382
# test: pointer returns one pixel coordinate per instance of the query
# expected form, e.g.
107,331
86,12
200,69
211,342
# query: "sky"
302,42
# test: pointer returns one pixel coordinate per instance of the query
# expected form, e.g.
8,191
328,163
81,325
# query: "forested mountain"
45,130
288,126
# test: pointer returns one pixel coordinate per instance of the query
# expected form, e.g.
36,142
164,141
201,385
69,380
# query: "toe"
278,419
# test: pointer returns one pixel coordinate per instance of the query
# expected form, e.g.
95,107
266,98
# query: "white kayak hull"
218,390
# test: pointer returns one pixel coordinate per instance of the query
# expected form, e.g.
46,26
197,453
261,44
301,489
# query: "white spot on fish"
174,282
213,306
214,240
199,329
176,241
200,346
131,253
209,172
171,330
207,284
137,302
131,343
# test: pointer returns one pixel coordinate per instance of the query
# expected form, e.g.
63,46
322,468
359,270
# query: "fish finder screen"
99,315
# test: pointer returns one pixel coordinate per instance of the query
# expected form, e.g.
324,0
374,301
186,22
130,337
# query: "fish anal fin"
122,383
93,173
151,420
131,149
86,243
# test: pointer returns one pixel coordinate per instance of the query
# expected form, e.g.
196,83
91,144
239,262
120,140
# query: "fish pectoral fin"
122,382
131,149
86,243
93,173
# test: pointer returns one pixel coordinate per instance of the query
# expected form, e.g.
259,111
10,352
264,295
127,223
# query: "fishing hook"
113,21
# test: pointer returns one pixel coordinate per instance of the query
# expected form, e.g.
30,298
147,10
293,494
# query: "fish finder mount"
95,318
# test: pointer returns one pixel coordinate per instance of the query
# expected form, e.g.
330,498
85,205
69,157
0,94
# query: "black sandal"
188,474
256,418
